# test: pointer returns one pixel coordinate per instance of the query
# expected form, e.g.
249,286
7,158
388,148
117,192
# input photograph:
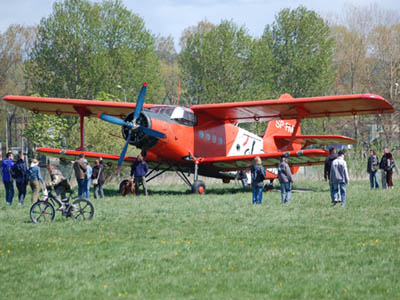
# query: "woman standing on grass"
389,170
257,180
372,169
35,179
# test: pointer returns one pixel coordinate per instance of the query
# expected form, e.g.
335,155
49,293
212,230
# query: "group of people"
86,176
386,165
284,176
19,171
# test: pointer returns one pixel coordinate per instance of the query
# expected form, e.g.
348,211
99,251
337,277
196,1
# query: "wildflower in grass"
120,294
38,245
8,251
326,279
294,253
376,241
280,283
163,242
88,243
105,286
345,290
148,230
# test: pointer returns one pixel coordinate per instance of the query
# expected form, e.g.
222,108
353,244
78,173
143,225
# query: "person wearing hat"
35,180
339,177
285,179
257,180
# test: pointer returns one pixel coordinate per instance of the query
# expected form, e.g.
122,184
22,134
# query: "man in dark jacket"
21,179
98,178
285,179
139,170
8,181
382,166
327,169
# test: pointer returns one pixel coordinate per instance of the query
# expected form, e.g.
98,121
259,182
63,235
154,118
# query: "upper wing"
60,106
293,108
269,160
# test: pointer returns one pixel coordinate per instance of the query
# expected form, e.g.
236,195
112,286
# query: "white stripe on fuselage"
246,143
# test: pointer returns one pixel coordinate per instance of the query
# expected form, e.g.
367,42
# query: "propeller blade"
139,103
122,156
152,132
111,119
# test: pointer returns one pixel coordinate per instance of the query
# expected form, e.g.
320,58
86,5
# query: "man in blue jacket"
21,179
6,166
138,172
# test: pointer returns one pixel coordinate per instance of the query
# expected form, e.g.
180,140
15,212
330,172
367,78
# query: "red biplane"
206,139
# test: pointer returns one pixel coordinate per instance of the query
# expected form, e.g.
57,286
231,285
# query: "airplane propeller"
132,125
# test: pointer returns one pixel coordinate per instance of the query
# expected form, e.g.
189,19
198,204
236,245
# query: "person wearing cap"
285,179
257,180
339,177
35,180
80,171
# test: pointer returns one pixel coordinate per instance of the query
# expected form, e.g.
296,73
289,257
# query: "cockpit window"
182,115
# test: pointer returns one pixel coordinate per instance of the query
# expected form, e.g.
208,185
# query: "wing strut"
83,112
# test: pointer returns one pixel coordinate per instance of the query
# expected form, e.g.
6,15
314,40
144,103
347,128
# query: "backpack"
391,166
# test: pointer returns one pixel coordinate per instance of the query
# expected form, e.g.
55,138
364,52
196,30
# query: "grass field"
174,245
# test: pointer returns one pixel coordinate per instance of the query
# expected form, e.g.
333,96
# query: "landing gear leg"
198,186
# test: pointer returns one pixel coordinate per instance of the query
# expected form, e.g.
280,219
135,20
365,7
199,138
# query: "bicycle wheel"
41,212
81,210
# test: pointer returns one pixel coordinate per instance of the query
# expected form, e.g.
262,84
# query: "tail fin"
279,127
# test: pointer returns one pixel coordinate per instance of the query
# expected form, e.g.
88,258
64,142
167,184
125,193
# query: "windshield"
182,115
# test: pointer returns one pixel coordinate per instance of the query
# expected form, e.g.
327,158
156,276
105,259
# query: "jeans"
140,180
21,186
332,193
340,188
257,194
98,188
81,187
9,191
86,191
384,183
286,192
373,180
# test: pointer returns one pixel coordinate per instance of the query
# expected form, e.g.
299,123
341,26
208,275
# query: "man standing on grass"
8,181
327,168
80,174
339,177
139,170
21,177
285,179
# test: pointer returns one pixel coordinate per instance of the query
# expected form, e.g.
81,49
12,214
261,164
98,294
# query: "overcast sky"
171,17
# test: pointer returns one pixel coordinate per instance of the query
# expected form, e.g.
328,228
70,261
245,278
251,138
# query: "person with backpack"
389,170
6,166
20,174
372,169
257,180
382,165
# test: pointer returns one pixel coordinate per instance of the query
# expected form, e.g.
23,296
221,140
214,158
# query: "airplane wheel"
198,187
269,187
123,182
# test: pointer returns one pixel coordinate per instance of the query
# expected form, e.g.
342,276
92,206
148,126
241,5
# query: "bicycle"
44,210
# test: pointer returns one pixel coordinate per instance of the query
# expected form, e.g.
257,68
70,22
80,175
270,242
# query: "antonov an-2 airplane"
205,139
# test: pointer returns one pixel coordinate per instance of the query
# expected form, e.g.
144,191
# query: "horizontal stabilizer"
307,140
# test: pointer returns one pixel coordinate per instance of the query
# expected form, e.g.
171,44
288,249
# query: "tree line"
103,51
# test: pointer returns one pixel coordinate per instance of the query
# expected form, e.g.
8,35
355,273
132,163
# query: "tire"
199,187
81,209
42,212
123,182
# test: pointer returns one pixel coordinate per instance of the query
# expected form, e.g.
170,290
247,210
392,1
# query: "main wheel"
41,212
81,210
198,187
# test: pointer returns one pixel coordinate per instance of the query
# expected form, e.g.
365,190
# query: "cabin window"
201,134
214,139
208,136
220,141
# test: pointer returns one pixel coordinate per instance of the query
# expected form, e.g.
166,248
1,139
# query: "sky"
171,17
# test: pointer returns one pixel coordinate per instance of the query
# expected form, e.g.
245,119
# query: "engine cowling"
139,139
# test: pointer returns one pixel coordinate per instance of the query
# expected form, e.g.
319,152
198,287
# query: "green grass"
174,245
